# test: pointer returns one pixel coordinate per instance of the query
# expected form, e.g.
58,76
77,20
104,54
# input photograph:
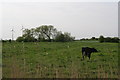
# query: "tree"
96,39
39,35
93,38
82,39
47,31
10,40
20,39
68,37
108,39
60,37
27,33
44,33
115,39
28,36
32,32
101,39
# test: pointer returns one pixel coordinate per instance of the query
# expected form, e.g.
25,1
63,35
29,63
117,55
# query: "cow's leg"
89,56
83,54
83,57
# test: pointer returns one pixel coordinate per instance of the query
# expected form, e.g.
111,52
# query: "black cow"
86,51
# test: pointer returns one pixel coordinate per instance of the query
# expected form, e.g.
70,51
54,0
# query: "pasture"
59,60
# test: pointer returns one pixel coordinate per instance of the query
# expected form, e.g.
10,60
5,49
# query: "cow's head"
94,50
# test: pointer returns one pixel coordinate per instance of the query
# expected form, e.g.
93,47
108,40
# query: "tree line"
47,33
44,33
108,39
91,39
102,39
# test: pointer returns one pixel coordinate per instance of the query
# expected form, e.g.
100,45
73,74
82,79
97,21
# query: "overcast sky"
81,19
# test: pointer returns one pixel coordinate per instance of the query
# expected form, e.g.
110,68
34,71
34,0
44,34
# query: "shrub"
66,37
101,39
20,39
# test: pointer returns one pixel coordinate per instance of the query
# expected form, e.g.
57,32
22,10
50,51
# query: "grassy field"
59,60
0,60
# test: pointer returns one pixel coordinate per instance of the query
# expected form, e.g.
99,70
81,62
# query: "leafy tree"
26,33
59,37
44,33
47,31
32,32
28,36
101,39
68,37
39,35
63,37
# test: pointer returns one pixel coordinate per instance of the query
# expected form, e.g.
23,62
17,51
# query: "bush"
115,39
93,38
4,40
26,39
60,37
108,39
82,39
30,39
101,39
20,39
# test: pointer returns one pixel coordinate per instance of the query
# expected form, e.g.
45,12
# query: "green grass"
0,60
59,60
